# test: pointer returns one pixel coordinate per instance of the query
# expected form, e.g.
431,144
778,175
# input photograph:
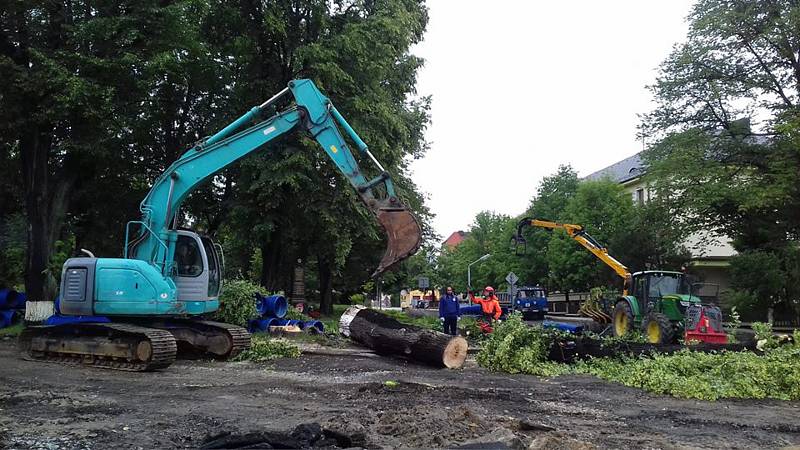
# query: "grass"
13,330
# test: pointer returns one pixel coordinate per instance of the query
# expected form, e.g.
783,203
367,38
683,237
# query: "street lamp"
469,274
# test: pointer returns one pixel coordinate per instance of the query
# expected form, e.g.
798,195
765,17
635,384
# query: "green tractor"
657,303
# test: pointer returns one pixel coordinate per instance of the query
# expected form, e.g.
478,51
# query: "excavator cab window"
188,257
214,267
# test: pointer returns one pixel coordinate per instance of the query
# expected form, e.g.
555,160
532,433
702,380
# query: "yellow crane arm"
577,233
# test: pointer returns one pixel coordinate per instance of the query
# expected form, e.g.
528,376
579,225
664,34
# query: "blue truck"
530,301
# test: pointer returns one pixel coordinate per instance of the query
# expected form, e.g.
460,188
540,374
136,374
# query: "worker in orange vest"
490,305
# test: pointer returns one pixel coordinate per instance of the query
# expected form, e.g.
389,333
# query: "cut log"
387,336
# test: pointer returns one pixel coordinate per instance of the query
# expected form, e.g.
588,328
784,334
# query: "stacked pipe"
272,311
10,302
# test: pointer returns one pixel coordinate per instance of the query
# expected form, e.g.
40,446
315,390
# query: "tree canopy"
99,98
724,156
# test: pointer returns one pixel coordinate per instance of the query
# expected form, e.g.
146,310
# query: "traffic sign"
512,278
424,283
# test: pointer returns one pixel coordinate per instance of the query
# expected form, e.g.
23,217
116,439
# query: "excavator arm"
580,235
312,112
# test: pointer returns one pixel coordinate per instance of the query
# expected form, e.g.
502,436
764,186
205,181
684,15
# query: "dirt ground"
49,406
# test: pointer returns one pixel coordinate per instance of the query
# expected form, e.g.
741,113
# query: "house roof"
622,171
455,238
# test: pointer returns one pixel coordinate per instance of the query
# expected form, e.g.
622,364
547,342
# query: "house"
455,239
710,260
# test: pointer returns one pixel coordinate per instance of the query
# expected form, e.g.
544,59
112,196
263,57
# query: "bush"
237,302
264,348
515,347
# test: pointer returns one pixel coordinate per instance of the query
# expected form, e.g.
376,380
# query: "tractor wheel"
623,318
658,329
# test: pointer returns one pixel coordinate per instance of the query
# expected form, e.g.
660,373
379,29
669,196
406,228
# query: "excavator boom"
311,111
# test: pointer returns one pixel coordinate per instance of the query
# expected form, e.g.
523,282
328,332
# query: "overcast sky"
520,87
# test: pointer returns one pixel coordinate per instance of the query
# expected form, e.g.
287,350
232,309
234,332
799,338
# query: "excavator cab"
197,267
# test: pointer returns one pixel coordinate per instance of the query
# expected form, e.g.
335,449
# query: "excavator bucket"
403,233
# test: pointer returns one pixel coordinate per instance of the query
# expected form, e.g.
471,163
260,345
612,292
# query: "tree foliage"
636,235
725,153
100,98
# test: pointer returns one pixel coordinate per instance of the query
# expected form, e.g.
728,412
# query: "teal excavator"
142,311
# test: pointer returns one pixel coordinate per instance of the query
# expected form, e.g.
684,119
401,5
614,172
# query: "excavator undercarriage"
137,346
106,345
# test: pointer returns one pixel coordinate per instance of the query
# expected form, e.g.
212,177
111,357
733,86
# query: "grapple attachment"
404,235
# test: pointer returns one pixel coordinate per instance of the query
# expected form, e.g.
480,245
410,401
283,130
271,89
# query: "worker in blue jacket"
449,312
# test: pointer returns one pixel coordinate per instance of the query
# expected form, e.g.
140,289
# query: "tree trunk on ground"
390,337
325,285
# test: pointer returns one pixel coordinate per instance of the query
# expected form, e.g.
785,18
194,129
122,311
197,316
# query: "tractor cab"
197,267
651,288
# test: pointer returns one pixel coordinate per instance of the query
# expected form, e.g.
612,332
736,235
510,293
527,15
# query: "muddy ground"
50,406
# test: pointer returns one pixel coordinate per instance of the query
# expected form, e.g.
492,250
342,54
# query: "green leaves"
237,302
265,348
706,376
515,347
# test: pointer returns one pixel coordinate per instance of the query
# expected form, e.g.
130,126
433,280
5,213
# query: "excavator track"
205,339
116,346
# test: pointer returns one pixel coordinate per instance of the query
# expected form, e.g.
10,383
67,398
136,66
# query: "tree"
100,98
552,196
301,206
707,166
75,75
605,211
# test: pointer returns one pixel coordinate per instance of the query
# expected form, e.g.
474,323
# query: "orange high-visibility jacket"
489,305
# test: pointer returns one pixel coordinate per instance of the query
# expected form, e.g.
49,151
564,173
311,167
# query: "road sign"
512,278
424,283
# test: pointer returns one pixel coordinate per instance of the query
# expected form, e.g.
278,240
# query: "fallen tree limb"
567,351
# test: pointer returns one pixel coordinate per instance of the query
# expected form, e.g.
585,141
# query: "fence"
566,302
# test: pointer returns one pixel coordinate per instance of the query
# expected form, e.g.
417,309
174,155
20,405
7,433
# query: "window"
640,196
214,273
188,257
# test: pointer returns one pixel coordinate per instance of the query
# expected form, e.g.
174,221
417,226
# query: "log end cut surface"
455,353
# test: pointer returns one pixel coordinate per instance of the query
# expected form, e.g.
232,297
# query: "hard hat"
489,289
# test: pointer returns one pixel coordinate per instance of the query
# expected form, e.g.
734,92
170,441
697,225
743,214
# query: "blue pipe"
6,318
272,306
11,299
260,325
472,310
